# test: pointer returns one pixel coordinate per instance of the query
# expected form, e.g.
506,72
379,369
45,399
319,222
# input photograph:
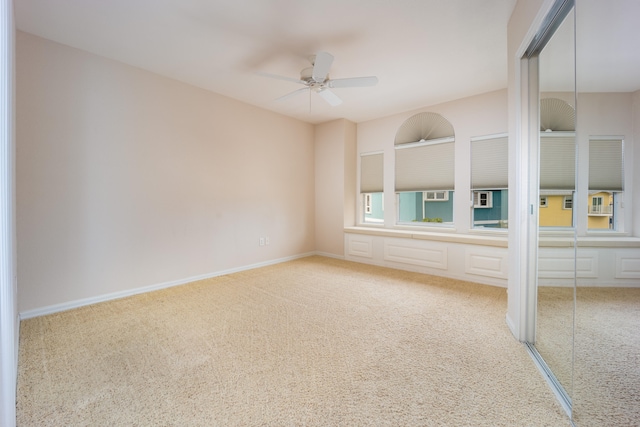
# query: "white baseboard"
56,308
512,327
328,255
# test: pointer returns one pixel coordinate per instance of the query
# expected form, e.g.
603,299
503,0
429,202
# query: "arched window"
424,169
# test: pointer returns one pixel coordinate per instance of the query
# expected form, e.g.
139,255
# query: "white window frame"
367,203
444,194
477,198
593,204
565,200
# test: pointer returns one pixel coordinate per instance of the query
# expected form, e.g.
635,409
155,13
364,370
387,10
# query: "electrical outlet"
262,241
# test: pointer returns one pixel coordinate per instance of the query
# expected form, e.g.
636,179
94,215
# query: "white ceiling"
606,38
423,52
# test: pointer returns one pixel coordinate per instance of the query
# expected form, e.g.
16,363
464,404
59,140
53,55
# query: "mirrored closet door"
606,369
557,172
584,65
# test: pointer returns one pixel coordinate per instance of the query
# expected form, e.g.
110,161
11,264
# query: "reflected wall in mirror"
556,219
607,333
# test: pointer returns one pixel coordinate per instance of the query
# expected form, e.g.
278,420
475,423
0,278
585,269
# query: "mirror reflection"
556,216
607,332
588,274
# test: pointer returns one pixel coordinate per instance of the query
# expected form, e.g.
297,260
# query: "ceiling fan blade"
330,97
354,82
291,94
321,66
276,76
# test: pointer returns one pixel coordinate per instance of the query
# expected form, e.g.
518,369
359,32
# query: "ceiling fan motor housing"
306,75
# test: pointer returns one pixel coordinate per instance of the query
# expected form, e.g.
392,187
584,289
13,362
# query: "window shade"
557,163
371,173
605,165
427,166
489,163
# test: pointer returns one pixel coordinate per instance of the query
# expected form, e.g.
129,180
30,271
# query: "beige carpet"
607,361
312,342
602,377
554,332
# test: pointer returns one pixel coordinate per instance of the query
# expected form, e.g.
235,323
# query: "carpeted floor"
312,342
554,332
600,368
607,357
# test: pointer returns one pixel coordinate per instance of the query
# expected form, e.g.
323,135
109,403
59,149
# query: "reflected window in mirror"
606,183
557,178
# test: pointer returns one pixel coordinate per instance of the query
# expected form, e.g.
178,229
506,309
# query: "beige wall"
126,179
335,162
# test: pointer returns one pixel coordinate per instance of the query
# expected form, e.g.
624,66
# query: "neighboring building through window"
557,211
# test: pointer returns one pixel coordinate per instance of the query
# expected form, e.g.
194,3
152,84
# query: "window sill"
484,240
590,242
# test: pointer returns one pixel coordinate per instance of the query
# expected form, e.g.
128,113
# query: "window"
373,208
433,207
489,181
557,178
482,199
436,196
543,201
606,183
371,183
568,202
596,205
424,170
425,167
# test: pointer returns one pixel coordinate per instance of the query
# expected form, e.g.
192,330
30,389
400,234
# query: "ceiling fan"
316,79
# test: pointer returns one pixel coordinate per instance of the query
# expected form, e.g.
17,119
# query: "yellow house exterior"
600,210
556,210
